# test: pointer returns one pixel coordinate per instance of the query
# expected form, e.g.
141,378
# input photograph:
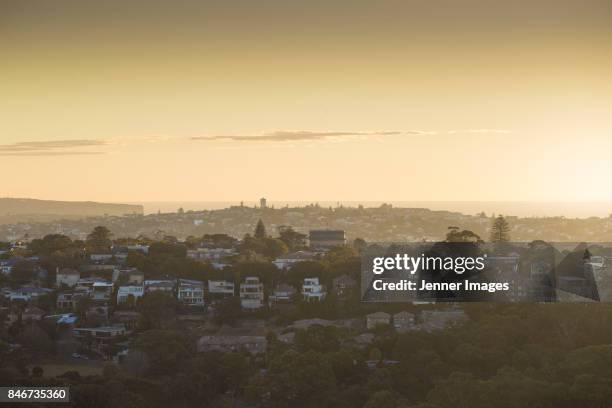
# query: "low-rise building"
124,293
131,275
101,291
313,290
159,285
378,318
288,260
282,293
326,239
211,254
69,300
251,293
221,287
191,292
26,293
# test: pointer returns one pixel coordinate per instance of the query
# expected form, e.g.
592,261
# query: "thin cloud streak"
52,153
295,136
52,148
305,135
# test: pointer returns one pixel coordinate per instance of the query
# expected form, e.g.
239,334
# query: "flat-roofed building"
326,239
251,293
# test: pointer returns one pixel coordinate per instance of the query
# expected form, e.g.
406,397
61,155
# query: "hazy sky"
306,100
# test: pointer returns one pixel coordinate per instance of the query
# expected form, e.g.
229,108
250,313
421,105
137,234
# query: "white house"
313,290
101,291
159,285
211,254
288,260
191,292
221,287
251,293
124,292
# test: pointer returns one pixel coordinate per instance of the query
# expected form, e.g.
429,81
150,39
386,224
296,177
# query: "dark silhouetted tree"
500,230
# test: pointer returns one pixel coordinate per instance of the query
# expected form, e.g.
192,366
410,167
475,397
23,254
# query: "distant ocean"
516,208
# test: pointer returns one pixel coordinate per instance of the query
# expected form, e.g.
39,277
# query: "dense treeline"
557,355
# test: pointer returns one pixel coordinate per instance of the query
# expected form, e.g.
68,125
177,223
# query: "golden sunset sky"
306,100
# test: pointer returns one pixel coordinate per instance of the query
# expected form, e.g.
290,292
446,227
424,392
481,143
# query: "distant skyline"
188,100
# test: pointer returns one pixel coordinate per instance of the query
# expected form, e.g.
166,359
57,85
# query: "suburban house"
132,275
211,254
191,292
101,291
312,290
158,285
251,293
221,287
97,338
69,300
282,293
67,277
124,293
26,293
326,239
378,318
288,260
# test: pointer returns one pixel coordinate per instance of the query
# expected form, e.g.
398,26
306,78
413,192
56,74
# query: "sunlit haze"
231,100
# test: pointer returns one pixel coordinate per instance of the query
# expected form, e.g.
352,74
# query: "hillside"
25,209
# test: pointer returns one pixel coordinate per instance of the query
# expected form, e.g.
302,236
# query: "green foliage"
297,380
99,240
23,272
323,339
293,239
157,307
165,350
260,230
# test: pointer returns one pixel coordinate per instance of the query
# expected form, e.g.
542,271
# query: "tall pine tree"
260,230
500,230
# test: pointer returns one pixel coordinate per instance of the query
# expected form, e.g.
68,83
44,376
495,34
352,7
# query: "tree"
360,244
293,239
99,239
228,310
299,380
456,235
166,350
260,230
500,230
22,272
381,399
157,307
